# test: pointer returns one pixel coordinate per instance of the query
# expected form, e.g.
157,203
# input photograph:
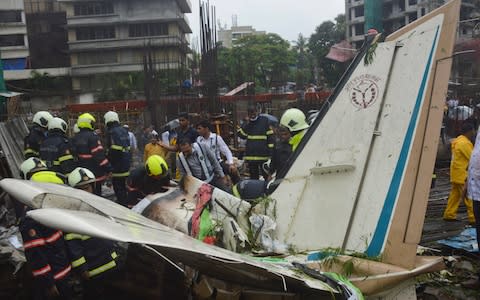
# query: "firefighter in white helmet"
37,134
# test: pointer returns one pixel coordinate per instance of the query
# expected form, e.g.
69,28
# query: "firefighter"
37,134
260,142
46,251
30,166
57,150
90,151
93,258
118,149
149,179
294,119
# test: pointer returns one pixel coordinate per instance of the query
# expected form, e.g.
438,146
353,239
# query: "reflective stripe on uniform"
256,157
30,151
124,174
104,162
78,262
114,255
41,271
270,145
120,148
102,269
76,236
270,131
56,163
34,243
54,237
235,191
257,137
62,273
65,157
98,148
85,156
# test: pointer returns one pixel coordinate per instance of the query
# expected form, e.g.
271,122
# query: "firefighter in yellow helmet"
92,258
46,251
294,119
149,179
90,152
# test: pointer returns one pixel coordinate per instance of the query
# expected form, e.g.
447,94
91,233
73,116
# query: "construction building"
13,35
228,36
114,36
398,13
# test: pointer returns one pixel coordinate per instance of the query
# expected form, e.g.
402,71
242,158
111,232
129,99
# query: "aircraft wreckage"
358,183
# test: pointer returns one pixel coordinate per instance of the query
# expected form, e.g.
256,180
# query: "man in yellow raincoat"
462,148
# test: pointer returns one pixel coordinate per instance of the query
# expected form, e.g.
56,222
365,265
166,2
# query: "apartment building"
13,35
228,36
111,36
398,13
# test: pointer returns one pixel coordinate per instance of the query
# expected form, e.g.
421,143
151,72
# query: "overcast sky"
286,18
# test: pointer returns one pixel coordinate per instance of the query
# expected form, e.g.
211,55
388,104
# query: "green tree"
304,67
325,36
264,59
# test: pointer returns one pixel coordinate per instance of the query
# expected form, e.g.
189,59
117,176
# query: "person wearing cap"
118,153
151,178
57,149
45,250
155,147
260,142
462,148
93,259
36,135
90,152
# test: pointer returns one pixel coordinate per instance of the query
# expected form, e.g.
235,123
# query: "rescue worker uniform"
260,142
57,152
462,149
280,155
140,185
250,189
118,145
33,141
46,253
91,155
95,257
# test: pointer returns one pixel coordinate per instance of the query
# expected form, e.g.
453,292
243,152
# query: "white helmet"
30,166
111,116
294,120
75,128
57,123
41,118
80,176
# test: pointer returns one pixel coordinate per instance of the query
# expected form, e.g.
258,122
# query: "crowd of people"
85,161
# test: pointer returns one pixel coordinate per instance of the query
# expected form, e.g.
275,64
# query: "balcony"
86,70
140,42
185,6
37,7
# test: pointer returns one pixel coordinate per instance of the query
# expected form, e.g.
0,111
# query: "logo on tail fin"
363,90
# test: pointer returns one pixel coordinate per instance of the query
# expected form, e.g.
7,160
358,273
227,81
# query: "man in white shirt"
217,145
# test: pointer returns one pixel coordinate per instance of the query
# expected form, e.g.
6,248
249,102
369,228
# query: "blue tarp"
466,240
14,64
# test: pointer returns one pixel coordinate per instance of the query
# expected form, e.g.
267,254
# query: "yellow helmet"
294,120
86,120
31,166
80,176
49,177
156,166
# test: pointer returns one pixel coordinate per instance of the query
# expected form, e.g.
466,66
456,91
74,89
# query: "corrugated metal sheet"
12,133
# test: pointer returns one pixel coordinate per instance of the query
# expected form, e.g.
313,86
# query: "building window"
359,11
359,29
412,17
147,29
422,11
12,40
93,8
97,58
95,33
10,16
412,2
